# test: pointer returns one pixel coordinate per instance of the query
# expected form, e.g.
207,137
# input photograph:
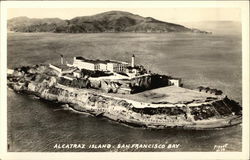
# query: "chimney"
61,59
133,61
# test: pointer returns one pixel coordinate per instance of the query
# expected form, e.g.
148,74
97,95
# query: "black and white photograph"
125,79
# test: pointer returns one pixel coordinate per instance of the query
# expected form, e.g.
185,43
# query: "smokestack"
61,59
133,61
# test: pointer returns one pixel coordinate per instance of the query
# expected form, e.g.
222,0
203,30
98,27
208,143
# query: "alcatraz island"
126,93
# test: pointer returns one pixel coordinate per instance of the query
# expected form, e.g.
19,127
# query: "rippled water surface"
208,60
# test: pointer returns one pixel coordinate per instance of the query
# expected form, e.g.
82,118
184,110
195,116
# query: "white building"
77,74
10,71
68,77
100,65
83,63
175,82
62,69
117,66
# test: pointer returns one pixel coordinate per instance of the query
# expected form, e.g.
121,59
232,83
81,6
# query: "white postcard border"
123,4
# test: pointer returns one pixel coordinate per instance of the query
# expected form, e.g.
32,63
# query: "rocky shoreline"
214,113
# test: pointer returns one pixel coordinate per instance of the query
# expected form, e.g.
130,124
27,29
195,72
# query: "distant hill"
112,21
25,24
217,27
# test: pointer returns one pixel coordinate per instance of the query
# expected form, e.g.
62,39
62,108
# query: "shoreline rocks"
216,113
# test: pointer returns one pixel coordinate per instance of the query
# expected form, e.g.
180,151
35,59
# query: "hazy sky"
165,14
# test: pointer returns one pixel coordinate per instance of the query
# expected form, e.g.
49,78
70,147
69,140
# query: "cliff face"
222,112
113,21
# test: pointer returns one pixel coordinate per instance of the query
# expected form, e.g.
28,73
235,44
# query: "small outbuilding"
62,69
175,82
77,74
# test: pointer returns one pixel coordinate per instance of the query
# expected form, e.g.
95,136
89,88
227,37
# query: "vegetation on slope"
112,21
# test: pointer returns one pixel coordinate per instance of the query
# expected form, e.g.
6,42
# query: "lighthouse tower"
61,59
133,61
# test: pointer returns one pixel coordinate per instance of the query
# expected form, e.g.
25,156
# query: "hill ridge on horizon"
110,21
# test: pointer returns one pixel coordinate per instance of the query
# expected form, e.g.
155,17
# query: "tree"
218,92
213,91
207,89
200,88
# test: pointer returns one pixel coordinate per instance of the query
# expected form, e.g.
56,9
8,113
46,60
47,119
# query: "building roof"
96,61
69,76
77,71
175,78
135,67
63,67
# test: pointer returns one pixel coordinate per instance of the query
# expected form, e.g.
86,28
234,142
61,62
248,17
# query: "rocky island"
126,93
